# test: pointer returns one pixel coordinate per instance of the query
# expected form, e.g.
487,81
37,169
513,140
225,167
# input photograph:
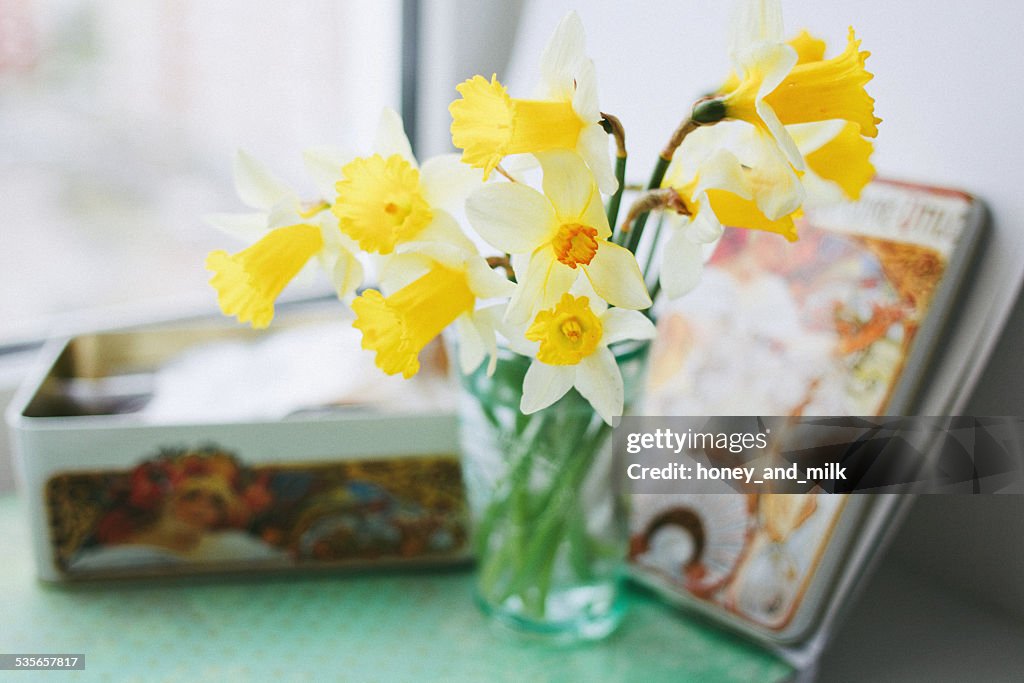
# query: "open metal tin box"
113,493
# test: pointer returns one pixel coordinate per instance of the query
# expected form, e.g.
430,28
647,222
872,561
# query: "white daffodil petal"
723,171
521,167
305,278
511,217
543,284
810,137
568,184
774,61
618,324
323,164
444,228
401,269
544,384
616,277
520,264
582,287
447,181
334,238
487,321
247,227
782,137
697,150
255,185
391,138
705,228
593,147
820,192
448,255
286,213
344,270
780,190
756,21
594,216
471,346
599,380
584,100
681,266
562,56
514,335
486,282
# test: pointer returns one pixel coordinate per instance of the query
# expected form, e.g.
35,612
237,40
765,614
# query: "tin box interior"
112,373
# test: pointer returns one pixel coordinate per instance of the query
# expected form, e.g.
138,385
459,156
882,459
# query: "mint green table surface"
395,627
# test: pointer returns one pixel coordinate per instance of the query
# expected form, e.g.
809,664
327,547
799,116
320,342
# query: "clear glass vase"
550,531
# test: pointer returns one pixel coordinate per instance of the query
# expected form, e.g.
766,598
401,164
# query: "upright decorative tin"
845,322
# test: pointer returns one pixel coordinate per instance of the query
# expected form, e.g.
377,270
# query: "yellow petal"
808,48
845,160
380,202
828,89
399,326
736,212
249,282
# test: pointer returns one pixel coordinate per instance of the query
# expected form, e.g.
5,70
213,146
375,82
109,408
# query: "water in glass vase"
550,525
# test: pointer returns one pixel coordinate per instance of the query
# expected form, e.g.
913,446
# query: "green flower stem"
616,199
514,502
554,522
631,239
653,253
581,551
655,289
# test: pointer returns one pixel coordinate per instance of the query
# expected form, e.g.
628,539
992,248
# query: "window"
119,121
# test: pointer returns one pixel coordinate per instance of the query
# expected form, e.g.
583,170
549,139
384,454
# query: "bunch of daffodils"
543,263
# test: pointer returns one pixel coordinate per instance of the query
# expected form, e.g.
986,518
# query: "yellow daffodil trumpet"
397,327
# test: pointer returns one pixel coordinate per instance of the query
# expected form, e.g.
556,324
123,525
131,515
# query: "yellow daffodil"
836,152
572,340
488,124
288,234
431,286
780,84
385,199
555,236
